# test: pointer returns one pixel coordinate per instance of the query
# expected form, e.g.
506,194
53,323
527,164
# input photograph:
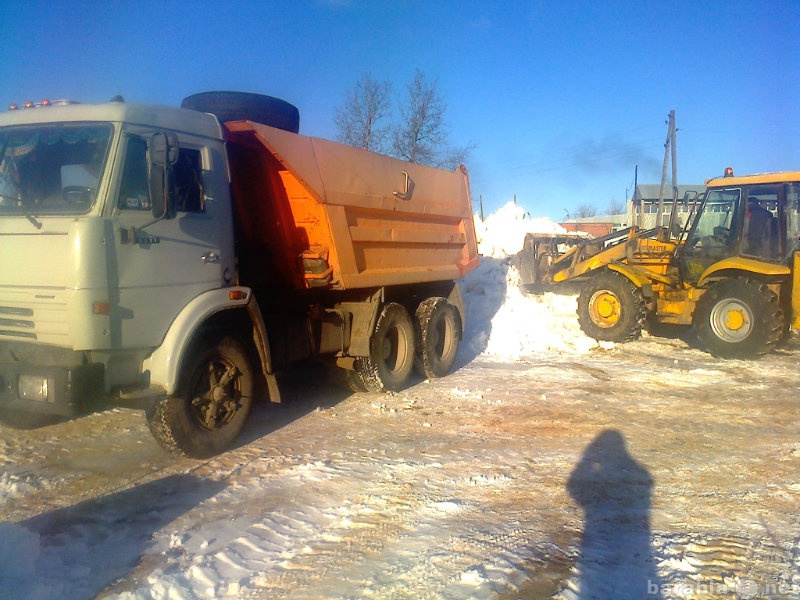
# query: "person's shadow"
616,560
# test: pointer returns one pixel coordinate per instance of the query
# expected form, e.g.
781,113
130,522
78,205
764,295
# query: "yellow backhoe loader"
732,271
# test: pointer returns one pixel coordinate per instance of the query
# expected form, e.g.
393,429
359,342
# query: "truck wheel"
354,379
611,308
212,405
244,106
739,318
438,329
391,351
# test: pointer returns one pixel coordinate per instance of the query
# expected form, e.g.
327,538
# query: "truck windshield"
51,169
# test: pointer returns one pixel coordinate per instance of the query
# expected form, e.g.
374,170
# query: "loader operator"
757,229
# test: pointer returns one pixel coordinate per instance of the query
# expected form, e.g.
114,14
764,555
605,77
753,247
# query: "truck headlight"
34,387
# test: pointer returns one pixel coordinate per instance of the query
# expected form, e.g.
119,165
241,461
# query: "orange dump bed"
314,213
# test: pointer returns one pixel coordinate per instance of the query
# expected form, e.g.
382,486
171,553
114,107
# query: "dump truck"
175,259
732,271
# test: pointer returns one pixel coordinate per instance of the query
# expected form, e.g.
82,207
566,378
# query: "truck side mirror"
163,155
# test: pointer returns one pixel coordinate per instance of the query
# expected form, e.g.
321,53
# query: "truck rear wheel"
438,329
611,308
739,318
245,106
391,351
212,405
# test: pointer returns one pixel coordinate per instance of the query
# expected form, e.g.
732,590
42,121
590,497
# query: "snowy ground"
545,466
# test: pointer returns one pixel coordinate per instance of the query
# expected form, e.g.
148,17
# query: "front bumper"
52,390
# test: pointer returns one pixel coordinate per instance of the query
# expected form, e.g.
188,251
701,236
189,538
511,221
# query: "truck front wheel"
391,352
438,335
212,405
739,318
611,308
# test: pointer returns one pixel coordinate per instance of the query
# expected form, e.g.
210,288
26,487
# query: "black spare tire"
246,106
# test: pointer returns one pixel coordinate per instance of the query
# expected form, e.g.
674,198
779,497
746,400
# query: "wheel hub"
731,320
605,308
217,393
215,407
734,320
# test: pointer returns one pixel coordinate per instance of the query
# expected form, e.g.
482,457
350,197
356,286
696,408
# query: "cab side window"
134,190
188,181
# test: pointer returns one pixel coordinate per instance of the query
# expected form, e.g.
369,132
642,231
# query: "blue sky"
562,100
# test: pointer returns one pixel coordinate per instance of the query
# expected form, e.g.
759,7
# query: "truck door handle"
210,257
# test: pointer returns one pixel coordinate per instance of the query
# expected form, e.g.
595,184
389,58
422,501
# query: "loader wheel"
438,333
611,308
245,106
391,351
212,405
739,318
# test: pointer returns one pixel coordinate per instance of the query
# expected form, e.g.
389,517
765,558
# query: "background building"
641,210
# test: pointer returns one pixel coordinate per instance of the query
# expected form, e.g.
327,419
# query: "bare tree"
420,132
585,210
360,119
615,207
418,136
456,156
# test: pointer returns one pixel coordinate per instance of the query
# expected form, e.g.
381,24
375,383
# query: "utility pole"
637,214
669,144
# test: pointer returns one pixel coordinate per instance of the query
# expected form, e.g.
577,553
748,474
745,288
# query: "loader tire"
212,404
438,333
739,318
391,351
611,308
245,106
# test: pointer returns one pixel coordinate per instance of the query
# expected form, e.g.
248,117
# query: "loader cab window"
792,209
760,227
713,234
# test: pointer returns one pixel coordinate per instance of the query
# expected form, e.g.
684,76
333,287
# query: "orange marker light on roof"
28,104
13,106
728,171
45,102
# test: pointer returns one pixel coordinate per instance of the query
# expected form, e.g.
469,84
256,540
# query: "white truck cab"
91,278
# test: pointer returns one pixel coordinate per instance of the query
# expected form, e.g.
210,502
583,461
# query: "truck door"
158,267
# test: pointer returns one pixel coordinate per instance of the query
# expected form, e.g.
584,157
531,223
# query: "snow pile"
503,232
502,320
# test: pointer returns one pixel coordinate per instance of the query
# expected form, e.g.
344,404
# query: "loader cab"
752,218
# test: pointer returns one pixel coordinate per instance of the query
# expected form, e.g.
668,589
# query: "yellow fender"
748,265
